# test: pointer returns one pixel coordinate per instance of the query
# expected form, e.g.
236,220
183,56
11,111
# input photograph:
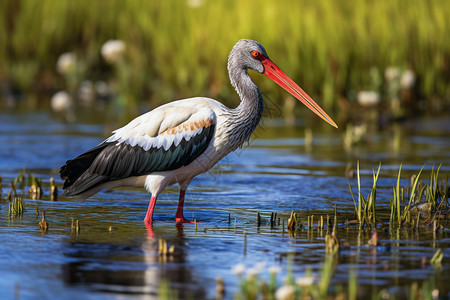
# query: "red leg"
149,216
179,215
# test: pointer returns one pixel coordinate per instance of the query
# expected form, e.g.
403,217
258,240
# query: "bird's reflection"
158,259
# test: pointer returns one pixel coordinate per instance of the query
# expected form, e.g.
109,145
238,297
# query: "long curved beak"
272,71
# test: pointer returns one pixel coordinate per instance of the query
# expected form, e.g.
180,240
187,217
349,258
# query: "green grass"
16,208
254,287
174,50
433,204
365,207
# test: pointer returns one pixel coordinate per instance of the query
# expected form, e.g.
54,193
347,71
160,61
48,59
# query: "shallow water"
115,256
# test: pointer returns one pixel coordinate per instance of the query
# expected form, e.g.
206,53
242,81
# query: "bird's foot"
183,220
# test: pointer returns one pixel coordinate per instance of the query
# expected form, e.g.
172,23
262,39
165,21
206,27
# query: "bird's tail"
74,172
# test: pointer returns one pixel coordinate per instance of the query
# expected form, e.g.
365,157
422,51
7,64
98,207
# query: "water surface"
114,255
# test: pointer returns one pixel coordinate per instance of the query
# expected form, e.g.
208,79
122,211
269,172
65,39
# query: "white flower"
66,63
86,91
256,269
368,98
238,269
275,269
408,79
195,3
252,272
260,266
304,281
391,73
101,88
286,292
61,101
113,50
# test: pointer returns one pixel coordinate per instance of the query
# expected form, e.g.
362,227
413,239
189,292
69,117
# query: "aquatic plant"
53,190
398,198
365,208
43,225
35,190
164,250
253,286
16,208
436,200
75,226
436,260
165,292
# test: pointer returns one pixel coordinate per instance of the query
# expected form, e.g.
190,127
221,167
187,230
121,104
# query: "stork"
177,141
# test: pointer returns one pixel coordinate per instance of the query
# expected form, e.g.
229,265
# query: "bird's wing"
161,140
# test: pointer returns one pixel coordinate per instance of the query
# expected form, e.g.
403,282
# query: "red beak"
272,71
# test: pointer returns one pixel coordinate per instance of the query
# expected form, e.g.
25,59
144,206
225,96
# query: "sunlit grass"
319,286
365,208
435,201
176,49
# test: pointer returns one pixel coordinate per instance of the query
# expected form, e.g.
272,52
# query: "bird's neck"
246,116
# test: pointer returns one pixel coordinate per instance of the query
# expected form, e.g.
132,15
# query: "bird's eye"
256,54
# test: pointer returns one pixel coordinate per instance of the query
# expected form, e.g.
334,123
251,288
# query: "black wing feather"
112,161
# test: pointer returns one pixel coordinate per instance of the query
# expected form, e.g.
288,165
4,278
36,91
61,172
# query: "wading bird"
179,140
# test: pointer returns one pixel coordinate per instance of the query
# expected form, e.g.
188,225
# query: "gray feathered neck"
244,119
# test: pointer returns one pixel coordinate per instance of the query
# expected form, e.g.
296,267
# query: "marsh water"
113,255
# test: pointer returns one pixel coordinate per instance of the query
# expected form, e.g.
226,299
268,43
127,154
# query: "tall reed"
179,49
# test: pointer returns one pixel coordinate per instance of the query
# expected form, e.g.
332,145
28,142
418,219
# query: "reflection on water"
131,269
115,256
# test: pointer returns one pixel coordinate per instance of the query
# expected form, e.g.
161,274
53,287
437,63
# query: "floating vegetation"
75,226
13,193
220,288
273,219
35,190
292,221
436,260
53,190
374,239
16,208
164,251
332,244
43,225
19,181
35,187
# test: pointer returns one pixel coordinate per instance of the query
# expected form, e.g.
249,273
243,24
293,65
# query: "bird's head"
244,52
248,54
